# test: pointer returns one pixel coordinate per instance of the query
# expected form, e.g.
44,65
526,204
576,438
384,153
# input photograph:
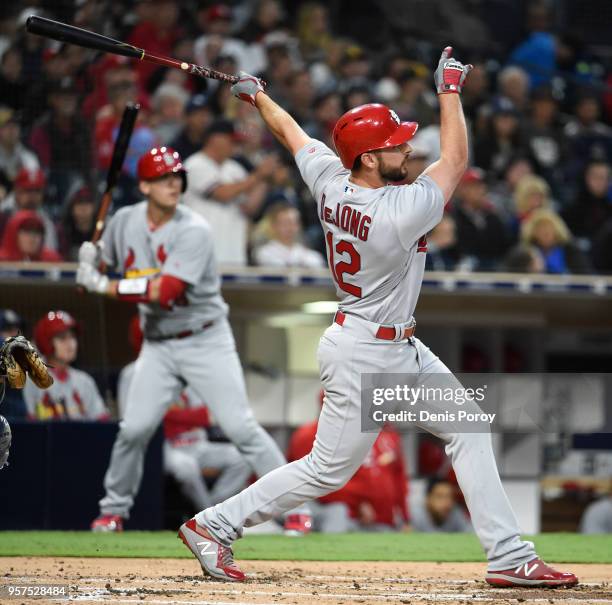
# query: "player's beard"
393,174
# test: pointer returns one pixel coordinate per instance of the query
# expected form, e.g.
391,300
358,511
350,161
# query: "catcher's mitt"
18,357
5,440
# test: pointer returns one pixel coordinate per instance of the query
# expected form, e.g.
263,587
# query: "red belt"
183,334
383,332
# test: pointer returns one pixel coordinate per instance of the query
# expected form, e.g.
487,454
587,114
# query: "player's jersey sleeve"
415,209
318,165
31,397
191,255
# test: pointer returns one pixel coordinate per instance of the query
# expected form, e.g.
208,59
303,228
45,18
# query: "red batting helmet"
369,127
160,161
52,324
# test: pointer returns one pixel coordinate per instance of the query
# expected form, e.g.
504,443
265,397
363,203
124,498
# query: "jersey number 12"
338,270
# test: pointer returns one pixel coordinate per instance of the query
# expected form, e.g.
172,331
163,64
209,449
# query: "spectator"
547,231
588,138
440,511
414,102
592,207
73,394
442,251
602,249
198,117
13,86
537,56
327,108
544,137
530,194
12,324
597,518
78,223
474,94
300,96
189,456
23,239
501,141
61,143
29,194
524,259
216,23
513,84
221,190
158,32
481,234
168,103
417,162
503,192
14,155
283,249
313,31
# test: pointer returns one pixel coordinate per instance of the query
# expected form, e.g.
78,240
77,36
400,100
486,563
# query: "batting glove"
91,279
450,73
247,87
91,253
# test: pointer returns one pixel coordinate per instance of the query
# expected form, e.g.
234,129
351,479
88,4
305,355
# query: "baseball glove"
18,357
5,440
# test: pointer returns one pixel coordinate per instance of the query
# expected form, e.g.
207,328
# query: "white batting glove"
91,279
247,87
91,253
450,74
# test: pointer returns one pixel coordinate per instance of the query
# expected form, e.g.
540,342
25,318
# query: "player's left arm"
280,123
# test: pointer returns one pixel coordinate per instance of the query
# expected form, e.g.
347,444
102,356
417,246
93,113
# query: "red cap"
30,179
367,128
473,175
219,11
160,161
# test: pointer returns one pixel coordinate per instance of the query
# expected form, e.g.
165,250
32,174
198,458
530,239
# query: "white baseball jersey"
182,247
72,396
228,223
375,238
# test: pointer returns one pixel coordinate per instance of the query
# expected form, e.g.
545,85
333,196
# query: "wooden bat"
82,37
121,144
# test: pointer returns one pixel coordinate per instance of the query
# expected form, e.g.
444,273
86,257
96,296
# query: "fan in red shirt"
377,494
23,239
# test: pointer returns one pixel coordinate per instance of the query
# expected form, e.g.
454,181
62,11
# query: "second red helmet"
160,161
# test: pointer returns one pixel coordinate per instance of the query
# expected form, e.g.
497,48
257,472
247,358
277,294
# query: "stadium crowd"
538,197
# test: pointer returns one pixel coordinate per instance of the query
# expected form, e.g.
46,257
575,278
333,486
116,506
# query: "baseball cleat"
535,574
297,525
107,523
216,560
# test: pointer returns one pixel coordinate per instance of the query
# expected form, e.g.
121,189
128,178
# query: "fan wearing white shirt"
224,193
284,248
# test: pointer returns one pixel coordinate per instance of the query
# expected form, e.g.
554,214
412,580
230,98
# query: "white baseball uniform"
376,251
190,344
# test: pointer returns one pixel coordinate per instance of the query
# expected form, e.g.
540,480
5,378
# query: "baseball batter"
376,250
165,253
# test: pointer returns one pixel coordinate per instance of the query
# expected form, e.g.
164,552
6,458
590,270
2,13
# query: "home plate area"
178,581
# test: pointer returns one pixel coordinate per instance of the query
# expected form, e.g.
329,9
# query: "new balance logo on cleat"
207,548
527,571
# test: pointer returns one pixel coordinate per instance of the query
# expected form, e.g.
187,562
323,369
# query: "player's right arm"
280,123
448,170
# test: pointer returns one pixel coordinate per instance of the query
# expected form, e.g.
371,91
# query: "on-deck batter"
376,248
165,252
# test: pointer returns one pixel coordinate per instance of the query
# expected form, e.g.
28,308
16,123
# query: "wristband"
133,290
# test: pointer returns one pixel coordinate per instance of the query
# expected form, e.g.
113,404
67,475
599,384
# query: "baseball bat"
121,145
82,37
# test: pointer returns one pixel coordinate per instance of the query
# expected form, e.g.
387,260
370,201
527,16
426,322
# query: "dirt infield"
178,582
